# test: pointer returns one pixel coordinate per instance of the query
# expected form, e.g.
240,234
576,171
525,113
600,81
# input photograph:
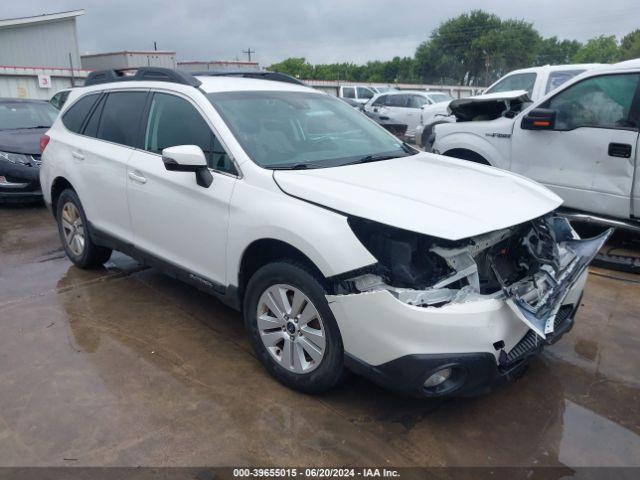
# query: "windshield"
16,115
303,129
440,97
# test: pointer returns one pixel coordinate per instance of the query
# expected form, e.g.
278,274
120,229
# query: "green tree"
600,49
295,66
552,51
630,46
476,48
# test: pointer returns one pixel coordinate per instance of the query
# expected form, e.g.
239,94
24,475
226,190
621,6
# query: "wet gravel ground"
124,366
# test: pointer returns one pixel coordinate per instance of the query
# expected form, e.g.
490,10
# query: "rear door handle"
136,177
622,150
77,155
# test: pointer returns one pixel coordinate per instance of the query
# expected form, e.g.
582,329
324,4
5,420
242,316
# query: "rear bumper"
474,373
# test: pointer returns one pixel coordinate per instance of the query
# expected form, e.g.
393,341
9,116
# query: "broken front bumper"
486,341
19,182
541,316
399,346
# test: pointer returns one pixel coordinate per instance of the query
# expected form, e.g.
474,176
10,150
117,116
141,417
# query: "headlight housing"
17,158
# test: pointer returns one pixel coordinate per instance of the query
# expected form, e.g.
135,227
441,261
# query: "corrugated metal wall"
128,60
27,87
40,45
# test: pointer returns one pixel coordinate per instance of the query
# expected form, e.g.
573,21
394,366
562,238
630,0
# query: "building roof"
217,62
130,52
45,17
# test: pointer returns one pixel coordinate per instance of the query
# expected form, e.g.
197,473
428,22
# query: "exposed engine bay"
531,266
489,107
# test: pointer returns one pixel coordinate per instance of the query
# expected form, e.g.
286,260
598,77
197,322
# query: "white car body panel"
575,164
207,230
436,114
414,193
367,332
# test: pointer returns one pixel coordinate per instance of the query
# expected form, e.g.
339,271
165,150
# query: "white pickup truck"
580,140
537,81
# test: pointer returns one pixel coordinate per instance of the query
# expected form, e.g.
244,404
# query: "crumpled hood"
21,141
425,193
490,105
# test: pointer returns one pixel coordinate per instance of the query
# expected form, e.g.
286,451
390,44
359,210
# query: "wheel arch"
59,185
268,250
466,154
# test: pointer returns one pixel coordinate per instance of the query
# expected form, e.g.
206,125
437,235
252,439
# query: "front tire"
73,228
291,327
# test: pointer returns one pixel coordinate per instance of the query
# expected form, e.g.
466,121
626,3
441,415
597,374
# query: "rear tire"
75,233
291,327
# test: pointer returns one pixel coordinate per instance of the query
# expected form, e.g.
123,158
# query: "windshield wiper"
30,128
297,166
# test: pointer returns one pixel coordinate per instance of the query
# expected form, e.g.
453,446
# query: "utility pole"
249,52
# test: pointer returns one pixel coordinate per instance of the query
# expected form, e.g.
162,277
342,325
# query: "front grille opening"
531,342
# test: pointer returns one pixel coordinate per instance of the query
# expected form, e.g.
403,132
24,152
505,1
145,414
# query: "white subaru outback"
342,246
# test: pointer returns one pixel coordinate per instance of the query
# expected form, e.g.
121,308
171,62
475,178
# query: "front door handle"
622,150
137,177
77,155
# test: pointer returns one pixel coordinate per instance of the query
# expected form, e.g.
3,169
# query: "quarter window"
174,121
74,117
416,101
120,119
603,101
348,92
91,127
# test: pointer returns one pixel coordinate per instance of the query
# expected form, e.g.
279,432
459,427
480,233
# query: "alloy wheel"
291,328
73,228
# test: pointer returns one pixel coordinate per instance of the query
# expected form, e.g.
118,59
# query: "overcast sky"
323,31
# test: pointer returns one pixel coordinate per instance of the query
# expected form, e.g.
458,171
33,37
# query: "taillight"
44,141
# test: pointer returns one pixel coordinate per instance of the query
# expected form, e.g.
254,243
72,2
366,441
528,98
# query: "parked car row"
361,94
400,112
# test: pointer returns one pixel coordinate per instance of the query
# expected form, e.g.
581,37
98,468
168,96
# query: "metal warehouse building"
39,55
129,59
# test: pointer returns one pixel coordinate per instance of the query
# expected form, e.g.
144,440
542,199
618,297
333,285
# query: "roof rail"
157,74
259,74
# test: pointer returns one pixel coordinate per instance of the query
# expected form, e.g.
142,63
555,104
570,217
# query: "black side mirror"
539,119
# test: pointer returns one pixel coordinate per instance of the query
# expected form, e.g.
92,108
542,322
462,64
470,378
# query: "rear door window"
380,101
74,118
120,119
558,78
399,100
365,93
417,101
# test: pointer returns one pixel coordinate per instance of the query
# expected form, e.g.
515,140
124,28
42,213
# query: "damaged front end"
532,266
